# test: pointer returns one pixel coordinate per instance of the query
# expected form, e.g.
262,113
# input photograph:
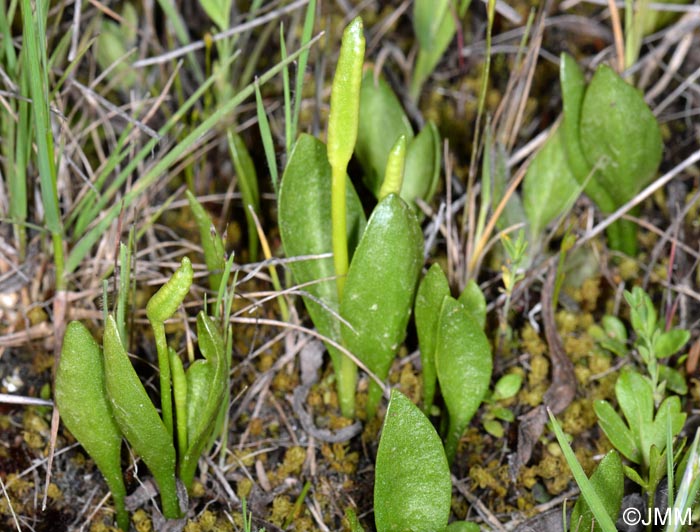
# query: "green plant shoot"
342,135
382,122
200,422
160,307
612,140
393,175
305,228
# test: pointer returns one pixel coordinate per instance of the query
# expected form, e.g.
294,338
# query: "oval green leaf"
84,407
620,135
305,228
619,131
382,122
138,419
380,287
211,344
617,432
412,487
433,289
464,363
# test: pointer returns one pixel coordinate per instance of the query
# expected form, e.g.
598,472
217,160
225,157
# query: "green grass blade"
268,143
584,484
301,68
287,96
83,247
248,184
36,62
15,130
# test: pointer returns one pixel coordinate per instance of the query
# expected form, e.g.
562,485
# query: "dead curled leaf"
562,389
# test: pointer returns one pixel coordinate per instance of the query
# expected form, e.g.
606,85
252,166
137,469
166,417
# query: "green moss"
244,487
293,461
282,507
579,417
141,521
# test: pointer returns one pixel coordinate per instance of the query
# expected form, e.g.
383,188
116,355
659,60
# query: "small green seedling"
612,142
643,438
506,387
382,122
363,304
101,398
654,344
608,145
454,350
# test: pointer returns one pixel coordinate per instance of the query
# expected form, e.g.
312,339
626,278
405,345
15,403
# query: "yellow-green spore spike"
168,298
393,175
343,122
160,307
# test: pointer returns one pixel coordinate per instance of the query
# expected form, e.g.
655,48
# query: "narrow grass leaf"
83,247
589,493
608,481
266,136
34,23
301,68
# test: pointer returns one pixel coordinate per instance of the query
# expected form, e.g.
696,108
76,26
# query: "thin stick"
10,399
617,33
639,198
9,505
272,15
